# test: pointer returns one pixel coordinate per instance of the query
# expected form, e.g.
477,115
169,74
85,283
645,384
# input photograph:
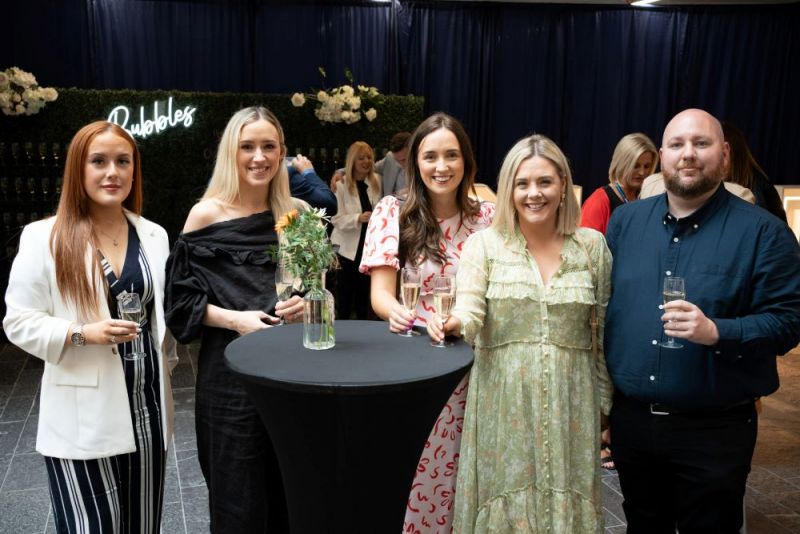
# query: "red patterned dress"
430,502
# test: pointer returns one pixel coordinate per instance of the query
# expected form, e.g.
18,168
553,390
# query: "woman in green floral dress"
526,291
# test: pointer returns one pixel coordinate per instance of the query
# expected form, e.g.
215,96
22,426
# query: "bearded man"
683,421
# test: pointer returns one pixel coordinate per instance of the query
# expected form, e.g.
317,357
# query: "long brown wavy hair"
73,227
742,164
420,234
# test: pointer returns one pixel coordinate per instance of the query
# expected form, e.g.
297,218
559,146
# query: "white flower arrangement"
342,104
21,95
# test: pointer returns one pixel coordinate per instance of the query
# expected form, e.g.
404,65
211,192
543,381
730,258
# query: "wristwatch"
78,339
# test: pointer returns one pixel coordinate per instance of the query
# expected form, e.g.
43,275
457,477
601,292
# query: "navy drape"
584,75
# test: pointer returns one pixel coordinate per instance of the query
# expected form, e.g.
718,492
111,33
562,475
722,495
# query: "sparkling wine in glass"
444,296
284,283
129,306
410,287
673,290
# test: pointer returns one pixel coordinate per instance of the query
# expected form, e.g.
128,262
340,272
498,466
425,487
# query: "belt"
657,408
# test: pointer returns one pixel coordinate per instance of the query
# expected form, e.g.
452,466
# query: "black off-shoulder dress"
226,264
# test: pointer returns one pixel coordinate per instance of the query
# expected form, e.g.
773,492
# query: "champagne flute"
284,283
673,290
444,296
129,306
410,286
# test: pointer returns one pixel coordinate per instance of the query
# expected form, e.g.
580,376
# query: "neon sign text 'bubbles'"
121,115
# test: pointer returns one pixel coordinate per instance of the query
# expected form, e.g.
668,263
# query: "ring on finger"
113,339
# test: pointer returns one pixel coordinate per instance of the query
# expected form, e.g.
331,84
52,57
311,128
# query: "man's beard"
694,189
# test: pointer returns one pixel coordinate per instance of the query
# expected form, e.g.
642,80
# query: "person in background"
427,231
683,420
391,168
357,195
634,159
105,419
745,171
222,286
306,185
528,290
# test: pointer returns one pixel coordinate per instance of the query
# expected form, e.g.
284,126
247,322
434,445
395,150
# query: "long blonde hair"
506,220
350,165
73,227
627,152
224,184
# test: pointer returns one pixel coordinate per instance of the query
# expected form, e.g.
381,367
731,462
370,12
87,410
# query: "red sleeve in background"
596,211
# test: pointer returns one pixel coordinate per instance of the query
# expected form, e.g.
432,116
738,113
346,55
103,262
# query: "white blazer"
346,226
83,408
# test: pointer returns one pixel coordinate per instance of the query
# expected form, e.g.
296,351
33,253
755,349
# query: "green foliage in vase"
305,249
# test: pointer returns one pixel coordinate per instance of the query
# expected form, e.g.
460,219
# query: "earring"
563,196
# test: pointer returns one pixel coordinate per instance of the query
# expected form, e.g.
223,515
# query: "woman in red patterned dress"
427,230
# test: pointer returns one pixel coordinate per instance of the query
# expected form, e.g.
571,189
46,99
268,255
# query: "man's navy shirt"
741,267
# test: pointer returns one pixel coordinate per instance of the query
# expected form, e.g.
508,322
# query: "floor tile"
9,437
182,376
184,399
172,489
17,409
26,472
9,371
27,441
28,383
195,509
24,511
185,437
189,471
172,519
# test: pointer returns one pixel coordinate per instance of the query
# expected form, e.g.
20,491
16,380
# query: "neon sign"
121,115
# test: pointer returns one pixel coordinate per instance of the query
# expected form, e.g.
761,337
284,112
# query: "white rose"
370,114
49,94
20,77
16,98
354,118
322,96
3,81
345,115
363,89
346,89
5,99
373,91
298,100
355,102
20,108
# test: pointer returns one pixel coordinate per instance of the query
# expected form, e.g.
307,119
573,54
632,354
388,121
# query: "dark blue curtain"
584,75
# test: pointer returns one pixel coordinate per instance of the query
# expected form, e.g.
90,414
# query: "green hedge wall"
178,161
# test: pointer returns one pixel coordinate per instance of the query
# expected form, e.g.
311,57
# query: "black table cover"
348,424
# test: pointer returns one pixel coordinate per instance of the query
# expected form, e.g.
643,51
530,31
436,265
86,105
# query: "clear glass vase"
318,315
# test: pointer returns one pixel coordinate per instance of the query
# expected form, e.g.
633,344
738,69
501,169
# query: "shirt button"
544,318
652,378
717,352
739,357
654,342
695,227
675,239
668,273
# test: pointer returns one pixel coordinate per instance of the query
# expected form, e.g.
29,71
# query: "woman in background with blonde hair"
355,198
527,291
105,413
635,158
221,286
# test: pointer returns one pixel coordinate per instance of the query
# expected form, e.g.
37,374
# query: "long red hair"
73,227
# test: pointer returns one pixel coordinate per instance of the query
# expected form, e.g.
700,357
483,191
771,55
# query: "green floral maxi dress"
532,425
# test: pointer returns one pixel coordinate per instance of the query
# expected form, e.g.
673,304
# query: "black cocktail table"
348,424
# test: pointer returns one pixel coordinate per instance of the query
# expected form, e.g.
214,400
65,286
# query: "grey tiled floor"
773,493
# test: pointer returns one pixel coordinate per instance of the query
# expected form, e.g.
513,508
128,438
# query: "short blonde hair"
350,164
506,220
224,184
627,152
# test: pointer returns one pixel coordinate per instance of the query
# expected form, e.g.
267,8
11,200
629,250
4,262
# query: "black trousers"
352,290
686,471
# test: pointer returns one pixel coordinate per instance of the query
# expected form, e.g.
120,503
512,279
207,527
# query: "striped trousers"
107,495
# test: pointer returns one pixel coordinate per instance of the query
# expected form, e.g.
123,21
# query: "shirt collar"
697,218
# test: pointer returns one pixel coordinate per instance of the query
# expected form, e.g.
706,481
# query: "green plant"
305,249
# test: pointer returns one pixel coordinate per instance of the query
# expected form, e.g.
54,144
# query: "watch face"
78,339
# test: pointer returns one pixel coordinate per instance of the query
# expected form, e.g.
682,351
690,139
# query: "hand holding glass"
129,306
410,286
444,296
673,290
